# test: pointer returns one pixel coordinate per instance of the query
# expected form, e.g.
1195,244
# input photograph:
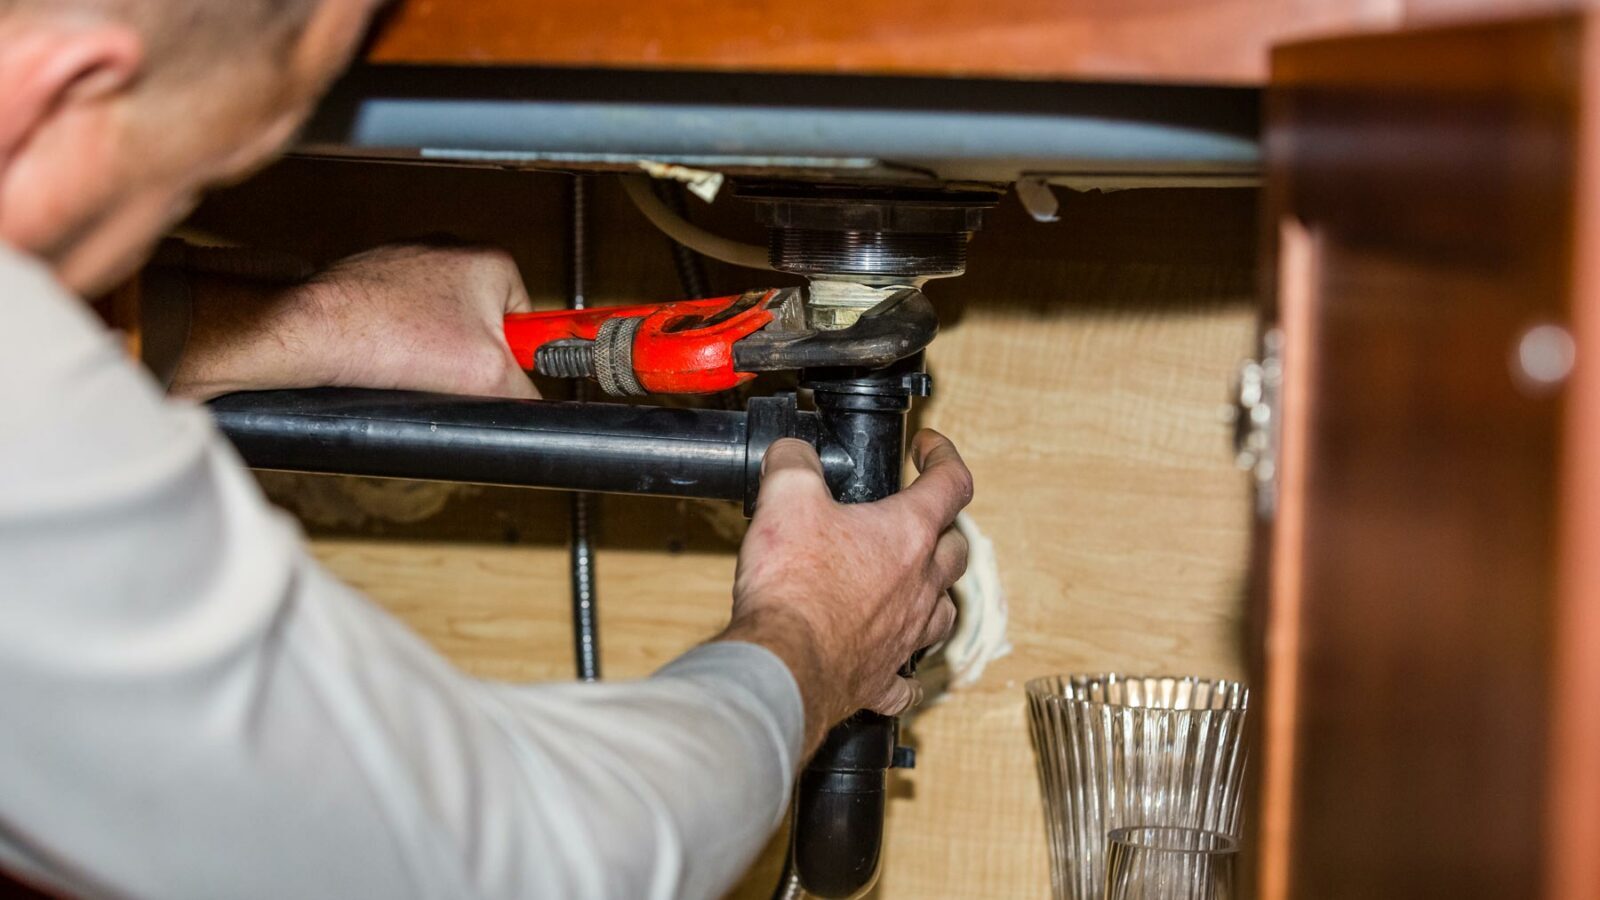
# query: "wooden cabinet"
1426,611
1426,634
1430,641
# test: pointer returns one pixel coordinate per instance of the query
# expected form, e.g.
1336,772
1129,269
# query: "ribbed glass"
1163,862
1116,751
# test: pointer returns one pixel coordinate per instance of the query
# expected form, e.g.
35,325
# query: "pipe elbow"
838,832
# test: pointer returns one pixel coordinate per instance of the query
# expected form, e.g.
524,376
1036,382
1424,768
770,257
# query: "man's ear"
49,69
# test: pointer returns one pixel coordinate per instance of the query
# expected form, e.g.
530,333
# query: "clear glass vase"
1116,751
1162,862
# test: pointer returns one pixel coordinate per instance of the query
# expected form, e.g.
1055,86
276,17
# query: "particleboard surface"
1082,371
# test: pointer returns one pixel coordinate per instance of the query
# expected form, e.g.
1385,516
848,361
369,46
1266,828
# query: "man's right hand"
846,593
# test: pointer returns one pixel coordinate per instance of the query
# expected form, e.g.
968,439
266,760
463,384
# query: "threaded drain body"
911,254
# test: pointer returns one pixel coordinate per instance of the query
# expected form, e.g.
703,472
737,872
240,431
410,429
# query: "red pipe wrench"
705,346
685,347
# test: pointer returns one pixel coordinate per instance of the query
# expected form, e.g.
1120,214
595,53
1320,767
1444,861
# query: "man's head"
116,114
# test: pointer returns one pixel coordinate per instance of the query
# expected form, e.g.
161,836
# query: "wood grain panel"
1082,370
1148,40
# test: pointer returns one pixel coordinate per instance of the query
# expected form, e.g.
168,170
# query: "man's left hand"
407,317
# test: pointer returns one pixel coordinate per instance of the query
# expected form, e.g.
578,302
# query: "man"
189,705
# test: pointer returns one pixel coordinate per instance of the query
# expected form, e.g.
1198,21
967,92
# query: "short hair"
182,36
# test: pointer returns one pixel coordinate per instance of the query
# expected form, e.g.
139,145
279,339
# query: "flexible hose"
691,268
585,615
788,887
737,253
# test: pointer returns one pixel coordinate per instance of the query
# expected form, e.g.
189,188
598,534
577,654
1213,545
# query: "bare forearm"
792,639
248,336
406,317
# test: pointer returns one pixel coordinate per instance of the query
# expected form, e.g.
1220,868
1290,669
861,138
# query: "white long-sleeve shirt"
191,707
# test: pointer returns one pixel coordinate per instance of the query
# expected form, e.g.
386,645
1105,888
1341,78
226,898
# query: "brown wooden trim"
1298,267
1223,41
1573,859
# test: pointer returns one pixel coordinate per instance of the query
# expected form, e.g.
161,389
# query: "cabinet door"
1431,639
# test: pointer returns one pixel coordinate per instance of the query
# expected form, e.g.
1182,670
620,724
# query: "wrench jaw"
901,324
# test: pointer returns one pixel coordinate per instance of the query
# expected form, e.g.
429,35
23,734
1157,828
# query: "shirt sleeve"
191,707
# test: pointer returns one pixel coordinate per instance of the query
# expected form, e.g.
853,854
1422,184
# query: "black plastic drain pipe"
836,840
604,447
